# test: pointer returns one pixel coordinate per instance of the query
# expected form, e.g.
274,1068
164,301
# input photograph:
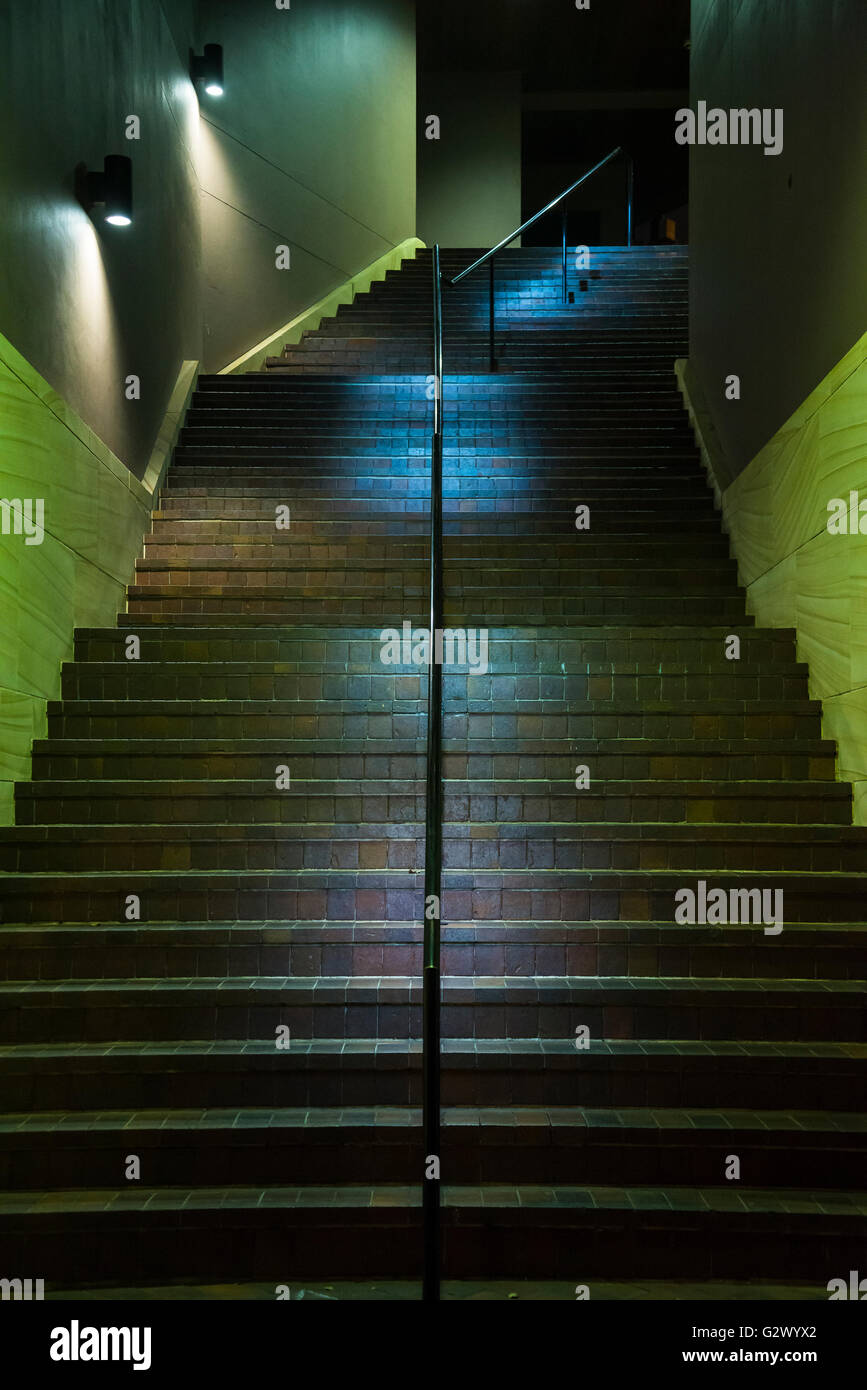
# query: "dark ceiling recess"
591,79
616,45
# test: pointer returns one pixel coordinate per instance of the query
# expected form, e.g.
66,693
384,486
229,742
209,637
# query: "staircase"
283,1157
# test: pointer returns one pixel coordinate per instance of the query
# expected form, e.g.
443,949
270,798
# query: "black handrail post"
433,837
630,183
491,311
563,230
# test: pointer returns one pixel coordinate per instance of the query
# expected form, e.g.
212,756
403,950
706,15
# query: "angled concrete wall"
317,149
778,291
469,180
312,147
797,571
87,304
778,276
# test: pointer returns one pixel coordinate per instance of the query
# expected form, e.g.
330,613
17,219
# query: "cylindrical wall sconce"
112,188
206,69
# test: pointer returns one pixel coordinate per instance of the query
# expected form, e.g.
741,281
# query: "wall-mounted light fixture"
112,188
206,69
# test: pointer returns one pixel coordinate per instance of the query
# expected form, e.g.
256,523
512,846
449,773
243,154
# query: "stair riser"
253,1158
286,897
478,727
300,1245
401,846
398,605
200,1015
731,1081
743,955
617,651
220,804
141,680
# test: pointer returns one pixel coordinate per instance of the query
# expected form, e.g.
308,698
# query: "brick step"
596,320
466,364
382,844
477,366
559,390
376,436
653,510
511,514
623,483
595,569
597,311
537,414
519,345
263,576
586,330
351,801
635,456
223,1235
531,694
392,604
149,617
723,718
151,951
411,413
518,349
518,304
261,489
650,519
594,651
536,299
718,760
376,894
346,386
622,337
100,1076
591,332
222,540
390,1007
259,1146
408,396
262,467
261,482
600,334
480,437
248,522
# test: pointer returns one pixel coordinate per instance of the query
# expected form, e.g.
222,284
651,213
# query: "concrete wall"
469,181
777,265
87,305
312,146
604,194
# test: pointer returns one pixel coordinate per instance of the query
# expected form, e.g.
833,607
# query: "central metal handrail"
555,202
431,996
433,839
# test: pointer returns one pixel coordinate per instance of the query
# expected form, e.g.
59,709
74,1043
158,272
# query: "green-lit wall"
312,147
778,269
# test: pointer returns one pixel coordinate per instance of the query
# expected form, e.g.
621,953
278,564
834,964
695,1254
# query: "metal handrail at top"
501,245
489,256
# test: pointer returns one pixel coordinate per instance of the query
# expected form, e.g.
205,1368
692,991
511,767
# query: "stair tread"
656,1118
674,1200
